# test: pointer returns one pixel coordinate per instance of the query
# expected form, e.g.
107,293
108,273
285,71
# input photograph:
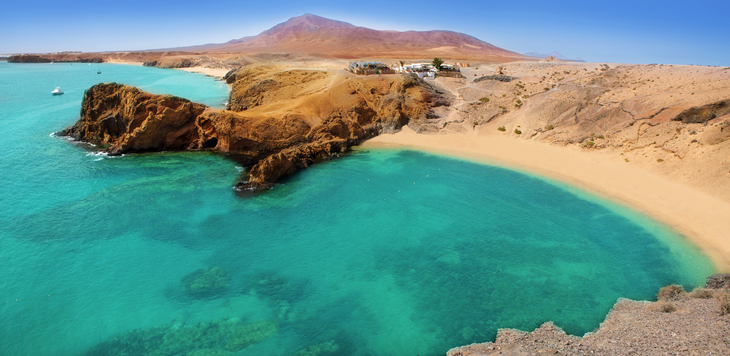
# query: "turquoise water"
383,252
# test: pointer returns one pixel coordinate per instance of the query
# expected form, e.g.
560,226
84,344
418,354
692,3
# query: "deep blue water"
382,252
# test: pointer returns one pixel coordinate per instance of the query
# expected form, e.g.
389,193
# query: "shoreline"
696,215
217,73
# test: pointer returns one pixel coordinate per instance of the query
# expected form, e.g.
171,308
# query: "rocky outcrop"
705,113
123,119
303,117
690,324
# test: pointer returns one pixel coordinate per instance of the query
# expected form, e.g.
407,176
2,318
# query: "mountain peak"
307,22
321,36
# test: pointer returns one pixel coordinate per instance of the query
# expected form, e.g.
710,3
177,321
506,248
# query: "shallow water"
382,252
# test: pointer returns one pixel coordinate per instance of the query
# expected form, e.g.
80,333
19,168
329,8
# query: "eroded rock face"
124,119
303,116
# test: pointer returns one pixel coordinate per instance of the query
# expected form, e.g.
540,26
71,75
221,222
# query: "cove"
379,252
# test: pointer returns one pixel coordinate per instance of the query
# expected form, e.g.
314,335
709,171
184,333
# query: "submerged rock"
325,348
214,338
206,282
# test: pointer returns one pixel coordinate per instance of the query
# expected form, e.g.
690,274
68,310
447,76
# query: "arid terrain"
654,137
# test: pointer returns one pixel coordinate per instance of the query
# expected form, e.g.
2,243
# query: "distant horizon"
625,32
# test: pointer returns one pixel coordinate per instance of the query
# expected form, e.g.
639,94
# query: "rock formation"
694,325
279,120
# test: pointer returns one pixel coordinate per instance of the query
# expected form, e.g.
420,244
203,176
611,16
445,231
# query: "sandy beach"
212,72
697,215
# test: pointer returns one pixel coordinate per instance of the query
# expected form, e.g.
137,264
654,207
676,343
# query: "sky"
666,32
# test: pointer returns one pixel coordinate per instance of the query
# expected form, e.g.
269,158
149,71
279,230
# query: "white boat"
57,91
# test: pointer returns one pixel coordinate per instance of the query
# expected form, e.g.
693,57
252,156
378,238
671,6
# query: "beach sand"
213,72
702,218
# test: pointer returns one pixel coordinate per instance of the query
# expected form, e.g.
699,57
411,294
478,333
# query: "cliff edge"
696,323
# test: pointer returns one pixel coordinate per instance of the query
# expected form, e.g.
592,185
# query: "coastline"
696,215
217,73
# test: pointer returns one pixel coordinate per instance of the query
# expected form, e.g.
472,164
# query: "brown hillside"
310,34
279,119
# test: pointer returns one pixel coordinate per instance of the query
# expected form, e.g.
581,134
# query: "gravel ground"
631,328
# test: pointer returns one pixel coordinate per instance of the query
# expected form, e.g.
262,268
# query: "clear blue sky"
670,32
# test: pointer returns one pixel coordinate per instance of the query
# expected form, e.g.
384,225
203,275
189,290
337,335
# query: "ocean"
379,252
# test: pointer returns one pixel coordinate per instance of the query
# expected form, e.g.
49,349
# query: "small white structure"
57,91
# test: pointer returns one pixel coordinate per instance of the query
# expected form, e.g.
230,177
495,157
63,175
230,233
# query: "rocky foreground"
279,120
678,324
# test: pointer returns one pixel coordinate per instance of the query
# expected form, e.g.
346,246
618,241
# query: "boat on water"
98,71
57,91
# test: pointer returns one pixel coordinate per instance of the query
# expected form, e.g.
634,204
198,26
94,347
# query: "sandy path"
702,218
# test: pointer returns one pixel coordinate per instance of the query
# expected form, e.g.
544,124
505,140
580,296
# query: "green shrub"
659,160
546,88
601,137
549,127
702,293
501,128
590,143
518,132
484,99
519,101
671,292
503,95
476,122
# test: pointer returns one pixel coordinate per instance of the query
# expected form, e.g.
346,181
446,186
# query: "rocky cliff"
279,120
695,323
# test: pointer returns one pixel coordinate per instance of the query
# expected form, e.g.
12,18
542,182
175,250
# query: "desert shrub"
501,107
723,299
519,101
666,307
549,127
503,95
671,292
518,106
601,137
476,122
501,128
484,99
702,293
659,160
518,132
546,88
590,143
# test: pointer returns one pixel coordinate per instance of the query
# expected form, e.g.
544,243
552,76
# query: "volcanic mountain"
311,34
